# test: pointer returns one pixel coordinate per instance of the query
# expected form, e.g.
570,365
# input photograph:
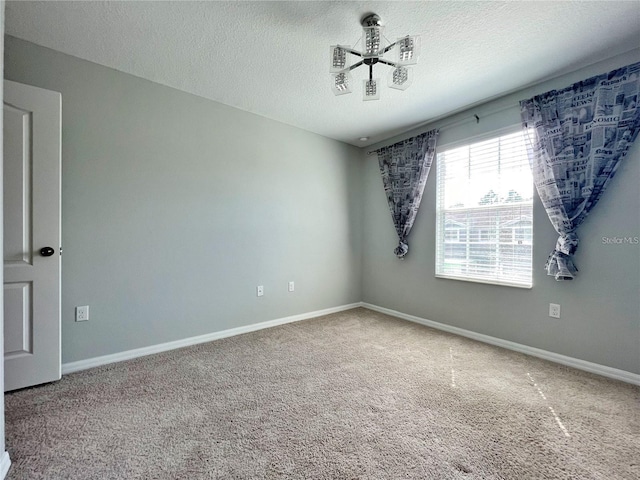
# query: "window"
484,212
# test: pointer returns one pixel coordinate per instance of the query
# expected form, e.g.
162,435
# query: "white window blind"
484,212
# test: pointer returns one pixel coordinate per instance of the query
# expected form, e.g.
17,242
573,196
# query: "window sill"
486,281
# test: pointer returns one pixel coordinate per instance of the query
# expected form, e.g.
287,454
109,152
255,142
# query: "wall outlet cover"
82,313
554,310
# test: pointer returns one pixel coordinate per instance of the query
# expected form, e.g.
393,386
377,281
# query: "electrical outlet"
260,290
82,313
554,310
292,286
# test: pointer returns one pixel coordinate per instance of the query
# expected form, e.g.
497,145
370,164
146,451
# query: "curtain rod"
456,123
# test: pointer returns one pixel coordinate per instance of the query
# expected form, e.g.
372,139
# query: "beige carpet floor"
354,395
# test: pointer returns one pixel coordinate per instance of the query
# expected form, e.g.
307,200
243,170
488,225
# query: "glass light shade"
338,58
408,50
400,77
341,83
372,41
371,89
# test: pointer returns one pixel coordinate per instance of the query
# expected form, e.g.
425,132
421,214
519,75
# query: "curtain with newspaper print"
405,167
577,138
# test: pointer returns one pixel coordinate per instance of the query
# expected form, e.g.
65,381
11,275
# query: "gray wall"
2,451
600,308
174,208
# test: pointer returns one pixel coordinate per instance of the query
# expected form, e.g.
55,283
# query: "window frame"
440,217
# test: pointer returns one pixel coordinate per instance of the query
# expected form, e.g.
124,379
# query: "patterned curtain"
404,167
577,138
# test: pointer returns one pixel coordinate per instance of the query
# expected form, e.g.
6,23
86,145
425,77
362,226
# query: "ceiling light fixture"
374,47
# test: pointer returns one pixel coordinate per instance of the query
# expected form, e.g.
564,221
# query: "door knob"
47,251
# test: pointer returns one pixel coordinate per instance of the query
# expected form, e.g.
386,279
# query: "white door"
32,152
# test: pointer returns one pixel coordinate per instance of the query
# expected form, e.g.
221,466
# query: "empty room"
320,240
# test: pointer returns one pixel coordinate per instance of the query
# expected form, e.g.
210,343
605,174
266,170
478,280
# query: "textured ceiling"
272,58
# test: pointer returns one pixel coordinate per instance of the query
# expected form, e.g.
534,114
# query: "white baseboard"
185,342
5,463
517,347
603,370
